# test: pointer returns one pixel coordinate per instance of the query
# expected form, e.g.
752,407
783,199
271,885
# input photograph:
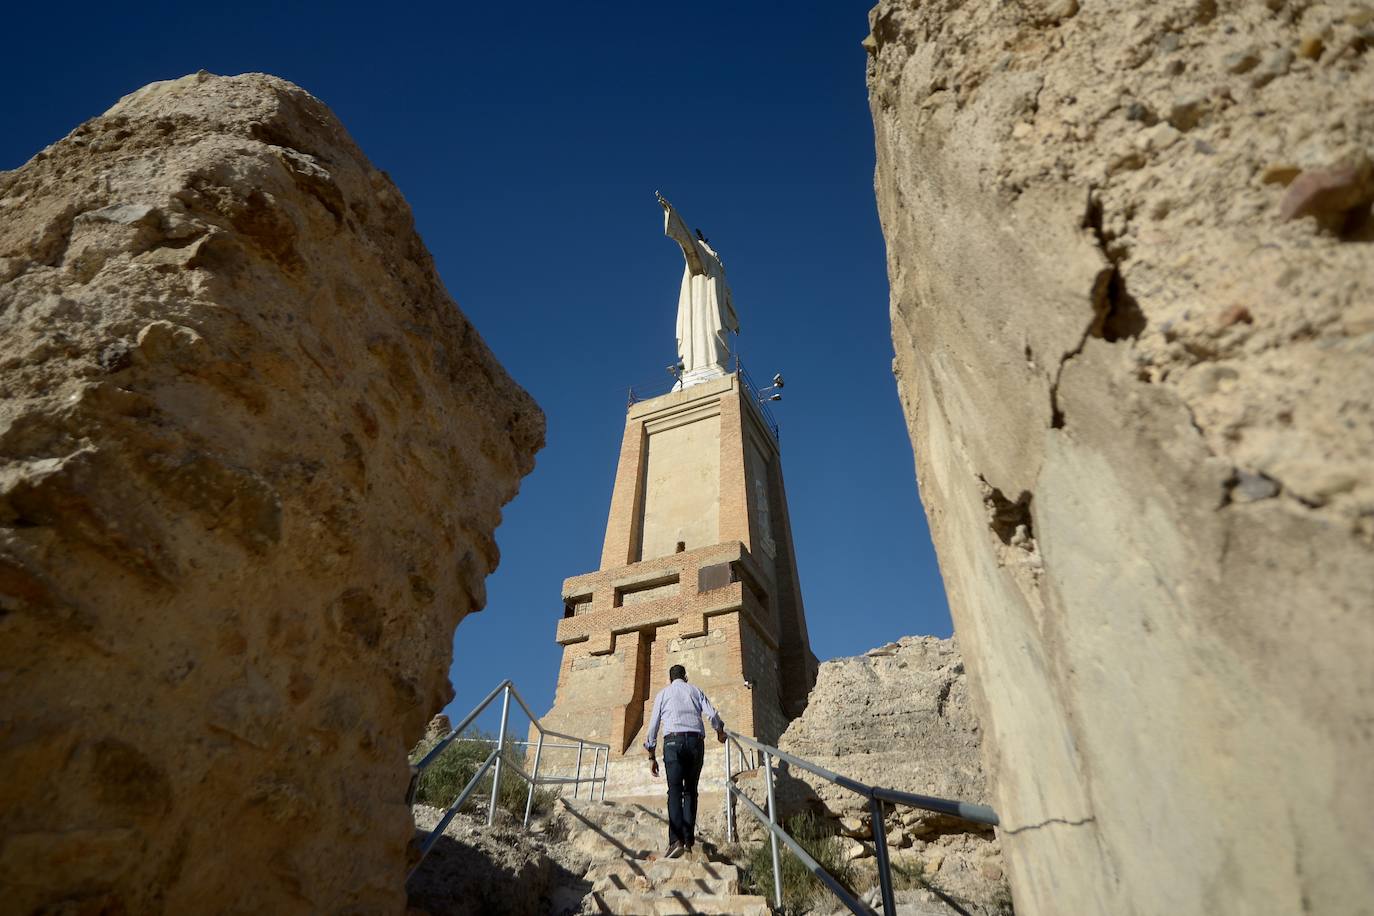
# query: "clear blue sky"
529,139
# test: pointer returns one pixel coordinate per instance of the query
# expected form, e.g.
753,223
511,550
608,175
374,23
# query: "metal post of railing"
500,754
577,780
765,755
880,850
605,771
534,780
772,834
729,806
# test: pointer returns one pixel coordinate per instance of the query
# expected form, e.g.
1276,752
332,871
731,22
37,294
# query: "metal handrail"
752,763
498,756
816,868
876,795
452,811
756,397
478,739
639,393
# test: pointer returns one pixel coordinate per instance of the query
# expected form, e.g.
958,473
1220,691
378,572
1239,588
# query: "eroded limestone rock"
1138,387
251,460
899,717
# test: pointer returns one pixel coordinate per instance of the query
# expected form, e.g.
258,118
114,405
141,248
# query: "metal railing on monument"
759,397
499,759
755,754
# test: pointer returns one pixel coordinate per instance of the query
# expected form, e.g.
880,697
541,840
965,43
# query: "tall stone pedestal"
697,569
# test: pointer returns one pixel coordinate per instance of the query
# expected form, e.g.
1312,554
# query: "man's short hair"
677,673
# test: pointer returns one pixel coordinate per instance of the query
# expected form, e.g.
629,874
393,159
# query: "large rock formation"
1133,315
899,717
251,460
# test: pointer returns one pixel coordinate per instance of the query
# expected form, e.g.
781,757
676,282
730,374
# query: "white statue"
705,310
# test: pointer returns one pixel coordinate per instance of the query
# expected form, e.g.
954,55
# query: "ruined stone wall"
251,460
1132,308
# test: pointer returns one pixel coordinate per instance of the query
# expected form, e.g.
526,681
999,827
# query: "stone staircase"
625,842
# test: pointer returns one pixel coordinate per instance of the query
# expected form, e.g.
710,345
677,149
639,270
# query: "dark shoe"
674,850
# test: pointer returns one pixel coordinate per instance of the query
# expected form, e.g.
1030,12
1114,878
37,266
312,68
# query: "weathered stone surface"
1334,197
1139,400
899,717
251,460
438,728
474,869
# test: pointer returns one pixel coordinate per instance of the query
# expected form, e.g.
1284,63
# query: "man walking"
679,708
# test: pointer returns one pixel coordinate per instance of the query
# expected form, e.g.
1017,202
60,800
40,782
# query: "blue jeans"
682,758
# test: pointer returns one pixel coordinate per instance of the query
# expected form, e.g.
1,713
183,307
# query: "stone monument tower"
698,566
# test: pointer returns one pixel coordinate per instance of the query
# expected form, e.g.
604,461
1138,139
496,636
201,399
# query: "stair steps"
628,875
666,876
631,904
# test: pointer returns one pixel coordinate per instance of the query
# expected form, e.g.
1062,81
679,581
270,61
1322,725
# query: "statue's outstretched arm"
677,230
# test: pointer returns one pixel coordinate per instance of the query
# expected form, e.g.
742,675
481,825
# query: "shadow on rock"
493,873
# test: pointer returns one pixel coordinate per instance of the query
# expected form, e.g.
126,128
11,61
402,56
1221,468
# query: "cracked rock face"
1133,318
251,460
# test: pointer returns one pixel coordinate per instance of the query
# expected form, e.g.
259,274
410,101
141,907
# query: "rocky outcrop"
1133,317
251,460
474,869
899,717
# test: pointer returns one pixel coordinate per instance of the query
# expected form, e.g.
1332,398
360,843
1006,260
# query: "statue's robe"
705,309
